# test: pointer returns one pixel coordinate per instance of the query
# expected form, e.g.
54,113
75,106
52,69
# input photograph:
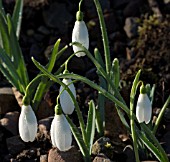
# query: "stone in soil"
101,158
64,156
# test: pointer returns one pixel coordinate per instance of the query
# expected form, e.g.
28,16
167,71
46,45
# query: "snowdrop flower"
27,124
143,108
80,34
65,99
61,136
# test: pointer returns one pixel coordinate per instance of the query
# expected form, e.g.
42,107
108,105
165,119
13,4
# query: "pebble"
10,122
7,100
101,158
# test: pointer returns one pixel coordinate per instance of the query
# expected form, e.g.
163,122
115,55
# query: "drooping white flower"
143,108
65,99
61,136
27,124
80,34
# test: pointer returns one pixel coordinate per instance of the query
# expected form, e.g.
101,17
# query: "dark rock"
166,142
44,126
43,30
10,122
101,158
133,8
128,151
15,145
7,101
57,16
64,156
100,146
131,27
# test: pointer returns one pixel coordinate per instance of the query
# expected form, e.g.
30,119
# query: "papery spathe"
65,99
61,136
27,124
143,108
80,34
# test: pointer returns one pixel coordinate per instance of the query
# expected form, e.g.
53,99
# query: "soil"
137,38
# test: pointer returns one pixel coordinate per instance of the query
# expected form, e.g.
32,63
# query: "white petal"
52,132
65,99
60,133
27,124
80,34
143,109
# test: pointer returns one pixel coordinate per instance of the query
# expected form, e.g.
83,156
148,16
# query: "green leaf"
100,111
8,69
115,72
79,140
16,53
90,129
4,34
17,16
45,83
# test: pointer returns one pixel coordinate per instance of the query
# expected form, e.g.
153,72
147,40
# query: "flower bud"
61,136
27,124
80,34
143,108
66,102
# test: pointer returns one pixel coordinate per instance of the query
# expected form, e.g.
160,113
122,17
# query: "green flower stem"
132,123
161,115
80,4
104,36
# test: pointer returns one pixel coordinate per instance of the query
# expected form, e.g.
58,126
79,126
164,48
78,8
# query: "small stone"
57,16
128,151
64,156
44,126
10,122
100,145
101,158
15,145
44,158
43,30
7,100
131,27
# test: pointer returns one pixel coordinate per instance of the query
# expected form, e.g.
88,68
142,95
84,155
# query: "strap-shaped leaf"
17,16
4,34
8,69
90,129
17,54
79,140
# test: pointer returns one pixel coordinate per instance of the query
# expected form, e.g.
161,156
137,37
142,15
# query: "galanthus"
61,136
65,99
144,107
80,34
27,124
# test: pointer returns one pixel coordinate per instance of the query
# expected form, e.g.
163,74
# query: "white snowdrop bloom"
27,124
143,108
80,34
65,99
61,136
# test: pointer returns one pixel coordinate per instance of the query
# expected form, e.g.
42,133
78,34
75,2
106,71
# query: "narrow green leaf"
132,123
4,34
79,139
17,16
53,56
100,111
2,8
90,129
115,72
16,52
10,70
